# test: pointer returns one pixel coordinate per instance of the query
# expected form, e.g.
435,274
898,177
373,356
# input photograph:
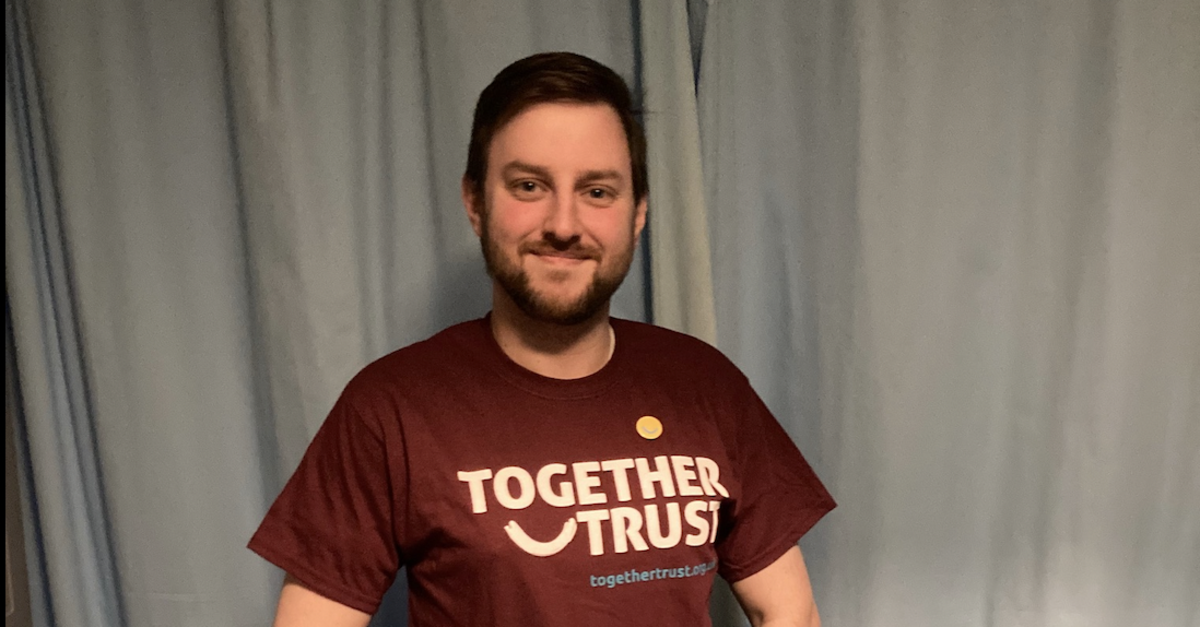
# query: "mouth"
561,257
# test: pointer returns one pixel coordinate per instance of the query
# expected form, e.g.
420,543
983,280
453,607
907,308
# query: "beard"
515,282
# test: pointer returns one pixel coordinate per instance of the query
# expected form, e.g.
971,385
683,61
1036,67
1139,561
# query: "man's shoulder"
662,346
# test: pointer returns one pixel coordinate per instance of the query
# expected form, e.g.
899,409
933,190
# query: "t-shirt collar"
548,387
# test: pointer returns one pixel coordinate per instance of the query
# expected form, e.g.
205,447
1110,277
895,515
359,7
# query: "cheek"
614,235
503,228
511,220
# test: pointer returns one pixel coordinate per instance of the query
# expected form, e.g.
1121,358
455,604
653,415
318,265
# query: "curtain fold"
678,224
72,574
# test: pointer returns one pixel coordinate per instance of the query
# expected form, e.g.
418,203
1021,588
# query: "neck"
552,350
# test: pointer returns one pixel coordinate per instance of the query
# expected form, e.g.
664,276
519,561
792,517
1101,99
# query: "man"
548,465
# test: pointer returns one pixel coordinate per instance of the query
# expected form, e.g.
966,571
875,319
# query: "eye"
600,196
527,189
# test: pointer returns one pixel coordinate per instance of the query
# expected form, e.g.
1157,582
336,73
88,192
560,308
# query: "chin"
560,288
557,306
565,318
560,303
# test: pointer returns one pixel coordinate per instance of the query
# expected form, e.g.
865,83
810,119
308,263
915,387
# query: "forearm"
809,619
780,595
301,607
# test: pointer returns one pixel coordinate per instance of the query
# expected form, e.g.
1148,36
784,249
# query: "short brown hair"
553,77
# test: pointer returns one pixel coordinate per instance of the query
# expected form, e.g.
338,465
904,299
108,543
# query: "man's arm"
301,607
779,595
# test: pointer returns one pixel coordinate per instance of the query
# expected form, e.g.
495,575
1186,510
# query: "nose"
562,224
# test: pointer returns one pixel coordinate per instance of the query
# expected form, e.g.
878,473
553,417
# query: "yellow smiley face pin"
649,427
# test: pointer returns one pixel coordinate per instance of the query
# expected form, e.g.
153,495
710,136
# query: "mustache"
572,250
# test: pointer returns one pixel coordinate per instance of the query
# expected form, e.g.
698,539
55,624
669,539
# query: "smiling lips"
561,258
550,254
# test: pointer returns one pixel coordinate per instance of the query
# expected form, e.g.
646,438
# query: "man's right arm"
301,607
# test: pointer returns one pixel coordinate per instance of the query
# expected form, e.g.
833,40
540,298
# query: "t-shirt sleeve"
781,497
332,526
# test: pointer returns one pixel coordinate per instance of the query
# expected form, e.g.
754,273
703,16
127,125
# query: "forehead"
564,137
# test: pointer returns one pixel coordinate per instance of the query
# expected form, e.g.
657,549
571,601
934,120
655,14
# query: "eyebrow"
591,176
514,167
588,176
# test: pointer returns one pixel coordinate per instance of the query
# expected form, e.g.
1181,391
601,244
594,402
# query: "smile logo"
536,547
649,427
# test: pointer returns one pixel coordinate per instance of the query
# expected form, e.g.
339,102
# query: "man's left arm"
779,595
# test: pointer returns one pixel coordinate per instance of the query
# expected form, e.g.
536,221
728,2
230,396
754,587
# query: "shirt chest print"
580,485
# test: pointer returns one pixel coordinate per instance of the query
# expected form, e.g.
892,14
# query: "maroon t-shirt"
515,499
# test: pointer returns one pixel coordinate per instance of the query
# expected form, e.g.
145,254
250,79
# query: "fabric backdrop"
981,222
953,244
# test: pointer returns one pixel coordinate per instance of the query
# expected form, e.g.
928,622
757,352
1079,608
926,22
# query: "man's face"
558,223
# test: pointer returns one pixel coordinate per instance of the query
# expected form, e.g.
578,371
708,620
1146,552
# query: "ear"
472,204
639,218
